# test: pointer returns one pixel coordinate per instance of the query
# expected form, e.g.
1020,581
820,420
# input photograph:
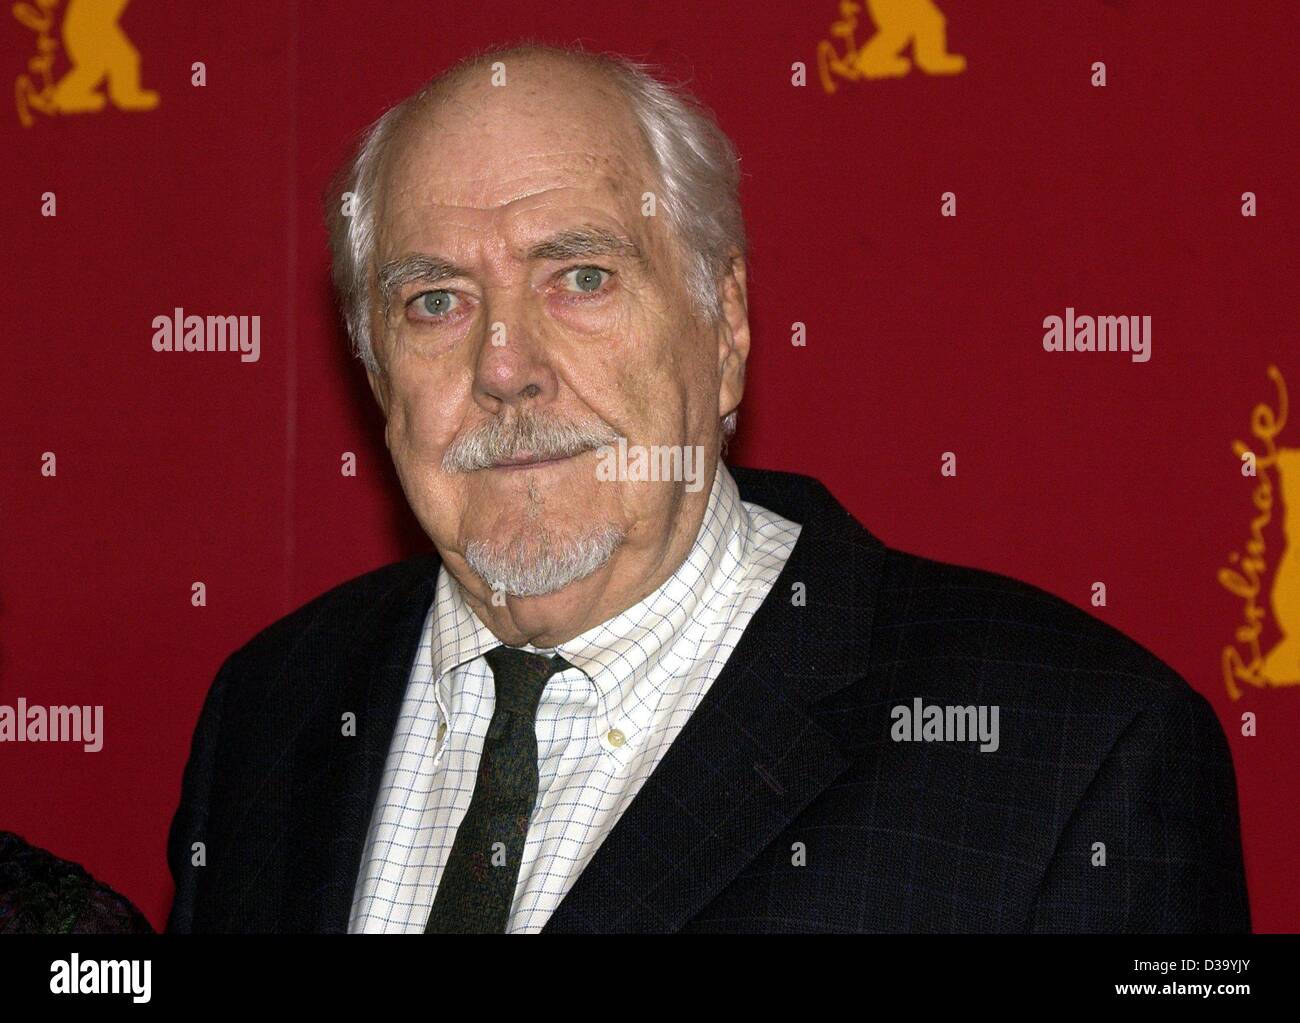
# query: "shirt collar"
617,653
457,636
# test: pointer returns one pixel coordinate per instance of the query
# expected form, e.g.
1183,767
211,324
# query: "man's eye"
587,278
432,304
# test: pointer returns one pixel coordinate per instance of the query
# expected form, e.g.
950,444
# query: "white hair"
542,563
699,177
536,434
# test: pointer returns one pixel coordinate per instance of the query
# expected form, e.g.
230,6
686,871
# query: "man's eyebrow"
586,241
583,242
416,267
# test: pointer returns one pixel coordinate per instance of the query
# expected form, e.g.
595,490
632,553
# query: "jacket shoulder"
1018,634
333,616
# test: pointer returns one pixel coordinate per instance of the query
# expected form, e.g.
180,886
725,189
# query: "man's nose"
512,369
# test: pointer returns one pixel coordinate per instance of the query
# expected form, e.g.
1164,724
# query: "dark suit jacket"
784,805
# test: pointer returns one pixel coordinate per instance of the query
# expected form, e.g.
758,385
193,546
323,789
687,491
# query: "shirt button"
442,730
615,737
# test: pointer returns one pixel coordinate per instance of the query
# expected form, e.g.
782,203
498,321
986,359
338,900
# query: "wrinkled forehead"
515,160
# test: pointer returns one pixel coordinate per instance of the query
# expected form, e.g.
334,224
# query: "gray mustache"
525,433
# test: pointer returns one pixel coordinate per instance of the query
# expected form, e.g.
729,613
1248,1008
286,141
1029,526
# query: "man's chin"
540,565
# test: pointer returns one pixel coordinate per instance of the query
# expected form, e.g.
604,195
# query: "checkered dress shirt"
602,726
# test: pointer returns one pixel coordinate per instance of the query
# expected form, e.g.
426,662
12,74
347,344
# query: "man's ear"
733,335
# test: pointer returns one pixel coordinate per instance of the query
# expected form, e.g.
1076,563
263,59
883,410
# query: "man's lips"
528,461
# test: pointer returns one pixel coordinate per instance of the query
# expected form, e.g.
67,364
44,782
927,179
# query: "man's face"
559,322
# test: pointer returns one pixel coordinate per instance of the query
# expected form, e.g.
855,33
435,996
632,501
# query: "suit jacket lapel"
336,777
754,752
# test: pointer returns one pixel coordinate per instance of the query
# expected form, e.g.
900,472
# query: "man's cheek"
395,430
646,407
412,426
640,401
624,386
404,446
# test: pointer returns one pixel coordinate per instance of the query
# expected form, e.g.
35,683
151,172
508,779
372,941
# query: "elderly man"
635,690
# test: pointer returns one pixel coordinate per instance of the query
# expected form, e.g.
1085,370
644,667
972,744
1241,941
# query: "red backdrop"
924,335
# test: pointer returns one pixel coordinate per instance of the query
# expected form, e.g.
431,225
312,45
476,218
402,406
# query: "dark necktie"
478,883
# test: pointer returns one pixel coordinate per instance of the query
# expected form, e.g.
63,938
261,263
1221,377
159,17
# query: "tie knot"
520,677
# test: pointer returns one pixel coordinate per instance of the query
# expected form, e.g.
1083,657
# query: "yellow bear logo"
899,23
99,52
